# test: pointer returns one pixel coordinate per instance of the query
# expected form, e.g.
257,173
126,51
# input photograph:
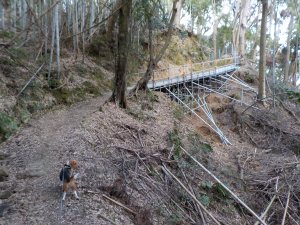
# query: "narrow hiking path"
36,154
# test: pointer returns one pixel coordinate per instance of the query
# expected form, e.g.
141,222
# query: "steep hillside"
22,93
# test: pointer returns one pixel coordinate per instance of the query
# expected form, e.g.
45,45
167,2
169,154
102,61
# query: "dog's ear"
73,164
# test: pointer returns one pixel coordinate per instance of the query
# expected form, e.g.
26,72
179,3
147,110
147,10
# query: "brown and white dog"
68,177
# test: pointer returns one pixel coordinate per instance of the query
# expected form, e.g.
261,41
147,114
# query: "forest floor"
120,155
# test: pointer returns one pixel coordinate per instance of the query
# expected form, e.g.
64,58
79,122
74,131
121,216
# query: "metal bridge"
174,75
190,84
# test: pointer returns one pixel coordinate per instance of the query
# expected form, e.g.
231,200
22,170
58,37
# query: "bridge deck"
155,84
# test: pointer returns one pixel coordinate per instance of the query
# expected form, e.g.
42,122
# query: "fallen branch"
225,187
119,204
107,219
288,110
286,207
33,76
198,209
166,171
267,209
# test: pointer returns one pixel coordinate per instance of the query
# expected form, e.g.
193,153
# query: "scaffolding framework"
191,91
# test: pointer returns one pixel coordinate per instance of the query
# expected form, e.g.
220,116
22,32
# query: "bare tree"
288,50
262,51
92,16
142,83
178,14
243,8
112,20
118,94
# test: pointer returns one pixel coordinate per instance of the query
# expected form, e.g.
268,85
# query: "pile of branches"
273,172
279,130
274,182
161,188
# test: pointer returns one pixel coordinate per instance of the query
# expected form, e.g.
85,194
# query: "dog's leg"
65,188
74,188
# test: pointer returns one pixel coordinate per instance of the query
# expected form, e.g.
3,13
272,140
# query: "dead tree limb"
168,172
266,210
286,207
33,76
120,204
225,187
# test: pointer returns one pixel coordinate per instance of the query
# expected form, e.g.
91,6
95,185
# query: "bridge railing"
172,72
187,69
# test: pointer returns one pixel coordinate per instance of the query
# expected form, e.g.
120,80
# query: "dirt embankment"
20,99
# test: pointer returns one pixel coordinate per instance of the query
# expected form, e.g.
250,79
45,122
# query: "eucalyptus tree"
218,14
288,49
294,41
178,13
262,51
224,37
2,11
242,9
55,40
292,12
200,15
255,29
92,17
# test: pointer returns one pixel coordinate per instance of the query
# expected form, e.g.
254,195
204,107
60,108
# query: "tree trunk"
92,17
262,51
253,50
83,6
296,57
24,14
292,70
118,95
75,28
112,20
245,8
2,9
178,14
52,45
14,15
288,50
142,83
45,6
56,19
256,39
215,30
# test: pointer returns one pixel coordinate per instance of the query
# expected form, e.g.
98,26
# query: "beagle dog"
68,177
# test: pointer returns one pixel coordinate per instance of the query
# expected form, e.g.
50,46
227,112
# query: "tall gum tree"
242,9
262,51
178,14
288,50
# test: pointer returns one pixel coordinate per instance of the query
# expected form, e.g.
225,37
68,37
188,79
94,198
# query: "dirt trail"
37,152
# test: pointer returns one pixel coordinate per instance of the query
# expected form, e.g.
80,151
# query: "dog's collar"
67,166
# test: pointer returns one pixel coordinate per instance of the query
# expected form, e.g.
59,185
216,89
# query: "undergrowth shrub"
174,138
7,126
